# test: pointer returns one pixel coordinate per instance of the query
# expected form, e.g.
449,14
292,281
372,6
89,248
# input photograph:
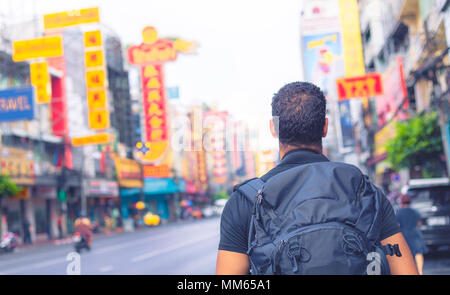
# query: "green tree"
7,189
221,195
418,143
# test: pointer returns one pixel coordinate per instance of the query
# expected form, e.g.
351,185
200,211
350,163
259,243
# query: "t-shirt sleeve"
234,224
389,226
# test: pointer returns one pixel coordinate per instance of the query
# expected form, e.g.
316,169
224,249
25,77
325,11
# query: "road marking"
169,249
106,268
35,266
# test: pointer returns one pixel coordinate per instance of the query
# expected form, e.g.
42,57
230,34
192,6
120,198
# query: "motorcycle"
8,242
80,242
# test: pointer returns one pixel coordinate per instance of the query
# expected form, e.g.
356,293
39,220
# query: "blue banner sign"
155,186
16,104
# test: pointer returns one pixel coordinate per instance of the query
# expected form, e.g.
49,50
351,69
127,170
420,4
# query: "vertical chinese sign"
40,79
96,81
151,56
216,122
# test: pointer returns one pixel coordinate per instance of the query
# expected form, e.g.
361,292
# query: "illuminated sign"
40,79
100,138
16,104
71,18
43,47
357,87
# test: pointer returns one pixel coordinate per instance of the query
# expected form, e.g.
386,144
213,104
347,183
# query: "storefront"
18,165
102,199
130,185
44,198
161,195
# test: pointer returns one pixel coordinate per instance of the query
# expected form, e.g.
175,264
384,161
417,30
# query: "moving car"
431,198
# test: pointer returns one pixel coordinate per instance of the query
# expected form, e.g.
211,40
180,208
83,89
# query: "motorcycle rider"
83,226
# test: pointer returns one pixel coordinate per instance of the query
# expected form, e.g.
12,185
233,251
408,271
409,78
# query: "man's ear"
325,128
272,129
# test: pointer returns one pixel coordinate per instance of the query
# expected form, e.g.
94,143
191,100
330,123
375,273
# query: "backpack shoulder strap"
251,189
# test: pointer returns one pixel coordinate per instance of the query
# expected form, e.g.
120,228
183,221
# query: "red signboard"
357,87
395,92
154,101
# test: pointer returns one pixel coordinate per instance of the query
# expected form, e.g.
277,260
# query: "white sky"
248,48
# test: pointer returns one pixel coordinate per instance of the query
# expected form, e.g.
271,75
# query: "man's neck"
286,148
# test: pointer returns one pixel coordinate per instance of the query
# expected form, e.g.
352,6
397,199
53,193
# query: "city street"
176,249
188,248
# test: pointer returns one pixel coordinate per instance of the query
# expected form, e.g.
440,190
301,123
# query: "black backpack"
319,218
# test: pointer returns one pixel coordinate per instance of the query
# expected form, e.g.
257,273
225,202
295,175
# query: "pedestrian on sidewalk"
410,222
59,222
27,232
309,215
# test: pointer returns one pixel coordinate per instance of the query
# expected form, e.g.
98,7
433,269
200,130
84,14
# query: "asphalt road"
188,248
181,249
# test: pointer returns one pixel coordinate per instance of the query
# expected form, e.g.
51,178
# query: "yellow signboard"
93,58
154,151
98,119
18,165
92,39
100,138
351,36
40,79
382,137
128,173
71,18
96,99
51,46
95,79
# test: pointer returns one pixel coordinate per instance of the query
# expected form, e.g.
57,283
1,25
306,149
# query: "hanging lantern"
140,205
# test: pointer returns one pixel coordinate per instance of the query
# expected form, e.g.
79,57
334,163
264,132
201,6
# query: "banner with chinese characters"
49,46
156,171
154,103
18,165
40,79
96,139
71,18
356,87
128,173
215,122
96,81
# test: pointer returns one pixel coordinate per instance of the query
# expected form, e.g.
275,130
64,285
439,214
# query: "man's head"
298,111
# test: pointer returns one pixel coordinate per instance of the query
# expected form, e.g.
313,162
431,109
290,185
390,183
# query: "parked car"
219,205
431,198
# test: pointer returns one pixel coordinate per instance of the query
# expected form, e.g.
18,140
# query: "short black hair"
299,110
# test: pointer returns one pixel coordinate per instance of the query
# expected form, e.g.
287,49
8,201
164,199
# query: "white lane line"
106,268
169,249
24,269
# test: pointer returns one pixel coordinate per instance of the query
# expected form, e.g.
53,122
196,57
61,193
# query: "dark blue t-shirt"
235,221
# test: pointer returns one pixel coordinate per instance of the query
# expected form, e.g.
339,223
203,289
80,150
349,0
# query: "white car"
219,205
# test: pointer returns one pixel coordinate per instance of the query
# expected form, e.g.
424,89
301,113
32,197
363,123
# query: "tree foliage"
221,195
7,187
418,143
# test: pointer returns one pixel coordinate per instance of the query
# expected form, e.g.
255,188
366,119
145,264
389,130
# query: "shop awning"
159,186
